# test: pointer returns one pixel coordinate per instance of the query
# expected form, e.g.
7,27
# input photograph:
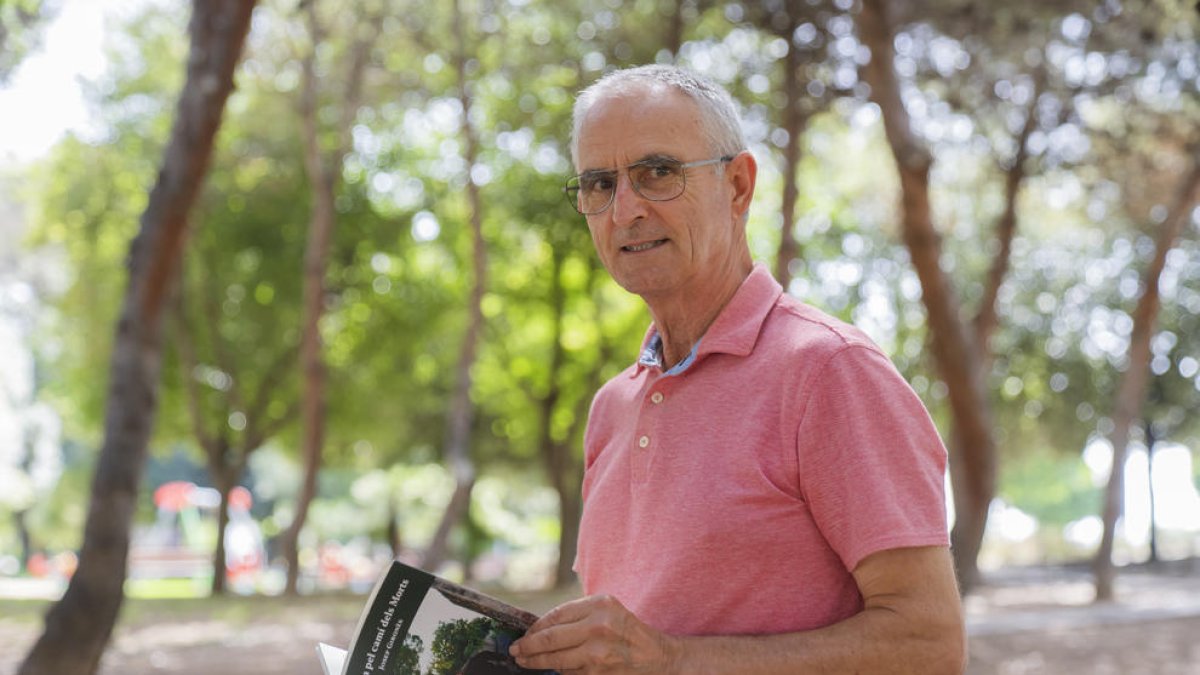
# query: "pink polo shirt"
737,496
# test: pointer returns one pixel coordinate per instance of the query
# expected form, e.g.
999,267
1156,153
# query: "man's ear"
741,174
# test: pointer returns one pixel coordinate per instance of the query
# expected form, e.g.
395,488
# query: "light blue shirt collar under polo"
652,355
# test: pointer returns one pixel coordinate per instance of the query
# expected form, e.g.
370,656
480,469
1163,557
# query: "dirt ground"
1043,620
1022,622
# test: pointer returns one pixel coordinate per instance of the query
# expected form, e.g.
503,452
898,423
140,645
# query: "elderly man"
763,491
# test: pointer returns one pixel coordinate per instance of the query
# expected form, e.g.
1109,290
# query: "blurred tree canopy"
1058,133
21,22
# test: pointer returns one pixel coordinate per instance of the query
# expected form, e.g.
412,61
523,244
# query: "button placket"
644,438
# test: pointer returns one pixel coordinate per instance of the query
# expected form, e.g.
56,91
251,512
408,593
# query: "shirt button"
643,441
656,397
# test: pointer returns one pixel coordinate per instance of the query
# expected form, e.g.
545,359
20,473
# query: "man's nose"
627,206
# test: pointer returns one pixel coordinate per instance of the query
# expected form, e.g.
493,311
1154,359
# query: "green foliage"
456,641
1196,471
92,221
20,31
239,302
90,198
57,520
407,659
511,512
1053,488
1103,161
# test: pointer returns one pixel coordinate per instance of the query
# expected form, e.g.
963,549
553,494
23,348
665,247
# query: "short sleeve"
871,464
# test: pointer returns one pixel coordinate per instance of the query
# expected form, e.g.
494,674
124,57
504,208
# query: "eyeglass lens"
657,180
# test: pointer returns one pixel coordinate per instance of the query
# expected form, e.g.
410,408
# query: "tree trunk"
462,412
569,483
570,509
323,175
224,487
1151,440
78,627
969,507
225,462
973,466
1006,228
1132,389
312,367
555,455
395,540
453,516
673,38
794,123
25,541
215,446
312,370
219,553
20,523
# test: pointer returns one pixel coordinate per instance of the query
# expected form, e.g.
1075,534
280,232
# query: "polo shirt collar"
735,330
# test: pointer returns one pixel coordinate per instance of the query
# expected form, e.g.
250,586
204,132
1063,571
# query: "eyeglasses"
659,179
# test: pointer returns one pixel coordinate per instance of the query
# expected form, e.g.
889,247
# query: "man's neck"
682,319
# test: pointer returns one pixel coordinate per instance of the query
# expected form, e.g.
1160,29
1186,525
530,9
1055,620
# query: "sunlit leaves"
20,31
1113,110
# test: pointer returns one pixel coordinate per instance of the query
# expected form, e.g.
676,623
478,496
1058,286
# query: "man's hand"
596,635
911,624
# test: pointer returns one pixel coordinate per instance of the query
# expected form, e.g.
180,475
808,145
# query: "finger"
568,612
594,655
550,639
566,661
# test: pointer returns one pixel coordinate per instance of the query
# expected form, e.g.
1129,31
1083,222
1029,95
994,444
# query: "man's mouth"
644,246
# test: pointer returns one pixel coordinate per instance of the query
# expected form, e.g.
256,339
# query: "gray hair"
719,117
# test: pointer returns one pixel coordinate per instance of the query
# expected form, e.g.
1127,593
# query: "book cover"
415,623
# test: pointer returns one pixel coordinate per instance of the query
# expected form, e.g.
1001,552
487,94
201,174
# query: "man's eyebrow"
656,157
646,159
590,173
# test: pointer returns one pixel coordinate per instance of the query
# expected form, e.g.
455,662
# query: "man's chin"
648,286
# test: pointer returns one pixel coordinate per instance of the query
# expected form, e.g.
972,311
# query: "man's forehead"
635,124
638,99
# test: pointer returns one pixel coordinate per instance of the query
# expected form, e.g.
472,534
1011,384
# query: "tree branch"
986,319
188,365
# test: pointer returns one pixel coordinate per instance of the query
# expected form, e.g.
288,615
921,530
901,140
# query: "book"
415,623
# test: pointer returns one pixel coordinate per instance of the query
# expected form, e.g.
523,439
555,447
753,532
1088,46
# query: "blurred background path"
1042,620
1022,621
